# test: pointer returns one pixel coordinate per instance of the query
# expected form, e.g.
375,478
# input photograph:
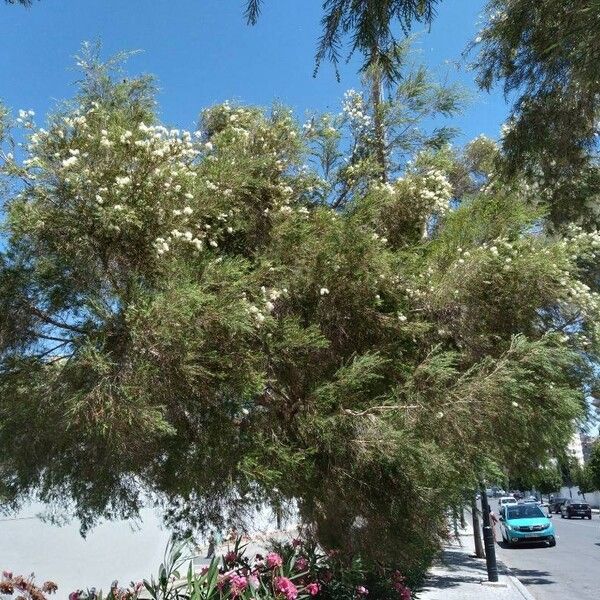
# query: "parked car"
526,523
506,501
554,505
574,508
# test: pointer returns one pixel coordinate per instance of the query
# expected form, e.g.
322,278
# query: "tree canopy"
593,467
546,54
367,26
185,319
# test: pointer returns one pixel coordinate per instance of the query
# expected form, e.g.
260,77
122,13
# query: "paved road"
570,571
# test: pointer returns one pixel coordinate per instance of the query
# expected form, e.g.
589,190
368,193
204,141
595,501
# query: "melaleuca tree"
185,321
545,52
369,26
376,137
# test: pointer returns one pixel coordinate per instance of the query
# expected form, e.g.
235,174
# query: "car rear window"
524,511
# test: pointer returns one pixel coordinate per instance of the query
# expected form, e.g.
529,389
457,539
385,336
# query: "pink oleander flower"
313,589
301,563
405,594
253,582
296,543
274,560
238,584
231,556
361,590
74,595
223,579
283,585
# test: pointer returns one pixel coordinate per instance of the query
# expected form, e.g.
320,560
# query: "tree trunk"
376,100
479,552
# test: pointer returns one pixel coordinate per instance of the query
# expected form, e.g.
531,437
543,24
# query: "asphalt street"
571,570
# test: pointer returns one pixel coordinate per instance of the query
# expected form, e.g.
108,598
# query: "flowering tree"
183,315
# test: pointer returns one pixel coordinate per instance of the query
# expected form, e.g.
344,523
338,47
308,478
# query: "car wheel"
562,516
552,542
590,517
568,516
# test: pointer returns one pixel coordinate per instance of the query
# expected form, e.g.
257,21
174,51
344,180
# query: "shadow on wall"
593,499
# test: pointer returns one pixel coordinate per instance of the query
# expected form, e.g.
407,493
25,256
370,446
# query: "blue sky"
202,52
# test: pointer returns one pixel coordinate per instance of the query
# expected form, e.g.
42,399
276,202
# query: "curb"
520,588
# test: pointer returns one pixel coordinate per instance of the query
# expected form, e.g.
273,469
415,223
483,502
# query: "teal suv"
526,524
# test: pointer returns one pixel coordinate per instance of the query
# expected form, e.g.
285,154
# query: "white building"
576,448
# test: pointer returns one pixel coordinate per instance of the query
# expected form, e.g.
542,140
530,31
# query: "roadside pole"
488,539
479,552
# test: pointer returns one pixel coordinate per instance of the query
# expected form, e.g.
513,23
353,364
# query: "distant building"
587,443
576,448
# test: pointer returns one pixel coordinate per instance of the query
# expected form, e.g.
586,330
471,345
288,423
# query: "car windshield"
579,505
524,511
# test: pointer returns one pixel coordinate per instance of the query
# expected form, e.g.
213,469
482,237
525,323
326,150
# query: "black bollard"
488,539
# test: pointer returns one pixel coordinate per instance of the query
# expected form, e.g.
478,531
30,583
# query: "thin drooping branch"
51,321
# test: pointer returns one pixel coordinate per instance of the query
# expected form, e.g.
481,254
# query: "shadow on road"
534,546
532,576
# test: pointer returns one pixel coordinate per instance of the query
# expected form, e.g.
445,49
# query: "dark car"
573,508
555,504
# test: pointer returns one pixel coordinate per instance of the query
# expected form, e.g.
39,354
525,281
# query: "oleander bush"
290,571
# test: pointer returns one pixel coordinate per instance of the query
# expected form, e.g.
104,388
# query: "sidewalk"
457,575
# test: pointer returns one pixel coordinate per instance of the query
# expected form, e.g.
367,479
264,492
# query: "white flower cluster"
196,235
269,297
436,191
585,245
25,118
355,110
579,294
156,179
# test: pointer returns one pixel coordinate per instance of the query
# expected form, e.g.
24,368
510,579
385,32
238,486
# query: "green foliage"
544,52
368,25
185,320
377,136
547,480
584,479
593,467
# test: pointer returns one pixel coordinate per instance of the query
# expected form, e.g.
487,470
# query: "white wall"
122,550
593,498
117,550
